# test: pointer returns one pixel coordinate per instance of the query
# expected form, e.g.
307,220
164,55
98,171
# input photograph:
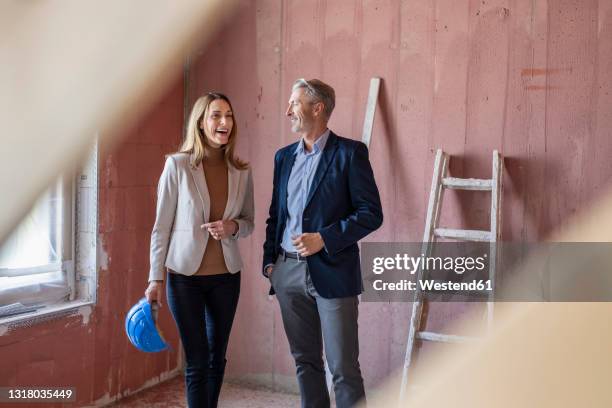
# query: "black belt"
292,255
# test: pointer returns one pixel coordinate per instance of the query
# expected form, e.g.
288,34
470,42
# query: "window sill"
11,323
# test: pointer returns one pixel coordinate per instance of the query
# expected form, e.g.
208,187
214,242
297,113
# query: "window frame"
78,263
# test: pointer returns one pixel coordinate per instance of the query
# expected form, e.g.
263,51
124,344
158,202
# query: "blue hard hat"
141,328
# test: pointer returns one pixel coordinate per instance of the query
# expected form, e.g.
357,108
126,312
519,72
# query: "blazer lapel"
288,161
328,154
200,183
233,179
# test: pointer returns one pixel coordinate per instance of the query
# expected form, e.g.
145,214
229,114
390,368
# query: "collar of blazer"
328,154
233,178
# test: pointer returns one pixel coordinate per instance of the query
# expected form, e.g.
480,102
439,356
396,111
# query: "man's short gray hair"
318,91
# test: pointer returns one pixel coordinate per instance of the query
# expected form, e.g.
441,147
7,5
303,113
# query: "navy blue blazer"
343,205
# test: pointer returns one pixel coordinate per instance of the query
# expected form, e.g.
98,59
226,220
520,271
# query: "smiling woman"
212,117
217,123
204,204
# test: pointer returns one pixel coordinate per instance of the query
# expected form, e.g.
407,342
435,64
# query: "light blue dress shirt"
300,179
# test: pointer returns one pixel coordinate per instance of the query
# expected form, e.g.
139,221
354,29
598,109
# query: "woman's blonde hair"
196,143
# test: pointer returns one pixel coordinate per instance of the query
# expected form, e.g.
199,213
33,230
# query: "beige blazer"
183,205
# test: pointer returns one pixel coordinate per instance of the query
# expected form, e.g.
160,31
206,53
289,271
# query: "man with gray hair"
324,200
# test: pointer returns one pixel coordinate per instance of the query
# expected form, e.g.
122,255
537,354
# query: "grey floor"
172,394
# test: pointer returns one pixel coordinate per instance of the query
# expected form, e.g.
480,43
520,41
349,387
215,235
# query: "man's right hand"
154,292
269,270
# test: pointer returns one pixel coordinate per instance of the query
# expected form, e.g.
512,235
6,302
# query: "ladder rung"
468,184
464,235
444,338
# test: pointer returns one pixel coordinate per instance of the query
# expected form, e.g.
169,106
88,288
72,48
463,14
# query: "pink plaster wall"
530,78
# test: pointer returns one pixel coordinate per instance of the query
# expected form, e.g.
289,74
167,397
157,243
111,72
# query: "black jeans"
203,308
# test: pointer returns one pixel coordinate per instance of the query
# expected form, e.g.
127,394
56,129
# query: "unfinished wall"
530,78
90,350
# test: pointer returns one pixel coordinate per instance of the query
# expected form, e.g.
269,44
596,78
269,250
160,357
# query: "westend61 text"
432,285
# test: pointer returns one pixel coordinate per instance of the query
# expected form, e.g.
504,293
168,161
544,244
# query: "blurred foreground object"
73,69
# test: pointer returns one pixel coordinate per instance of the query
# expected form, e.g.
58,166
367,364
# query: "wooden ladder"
439,182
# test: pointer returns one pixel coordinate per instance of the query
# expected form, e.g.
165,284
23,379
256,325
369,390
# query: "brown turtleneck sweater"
215,172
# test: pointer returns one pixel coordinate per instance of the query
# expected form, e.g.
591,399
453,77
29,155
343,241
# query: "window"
48,262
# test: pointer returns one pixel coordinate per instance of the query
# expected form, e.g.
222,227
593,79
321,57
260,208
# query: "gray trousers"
307,317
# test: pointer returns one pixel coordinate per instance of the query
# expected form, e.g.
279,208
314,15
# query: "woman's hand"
154,292
221,229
